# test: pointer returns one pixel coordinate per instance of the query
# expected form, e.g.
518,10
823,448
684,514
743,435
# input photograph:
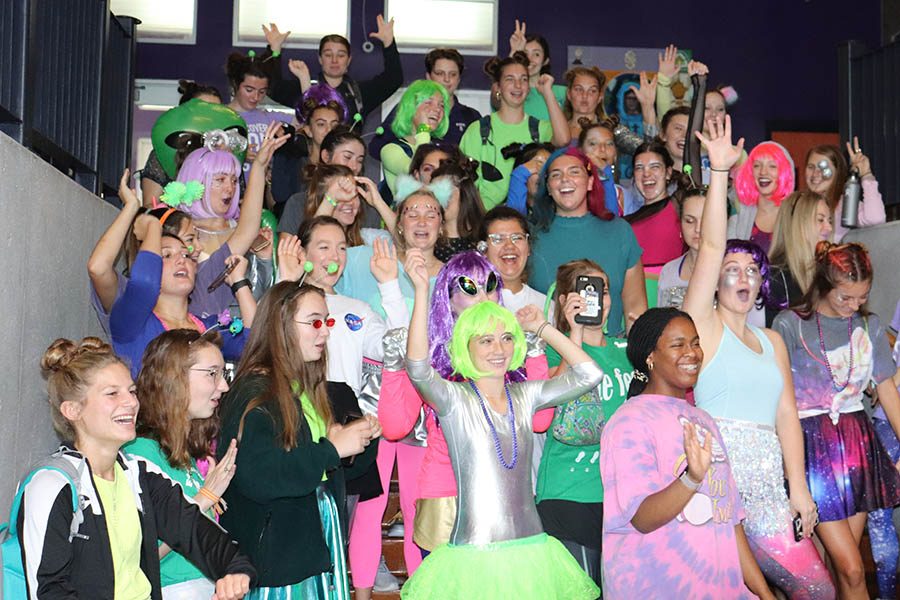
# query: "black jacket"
83,568
272,506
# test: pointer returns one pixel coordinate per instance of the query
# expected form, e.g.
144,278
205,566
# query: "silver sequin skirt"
758,467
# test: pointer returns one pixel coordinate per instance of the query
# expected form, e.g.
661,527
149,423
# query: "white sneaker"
384,579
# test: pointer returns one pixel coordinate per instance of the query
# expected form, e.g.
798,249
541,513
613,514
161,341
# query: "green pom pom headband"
177,194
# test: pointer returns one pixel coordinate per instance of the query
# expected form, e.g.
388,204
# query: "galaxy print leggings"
882,533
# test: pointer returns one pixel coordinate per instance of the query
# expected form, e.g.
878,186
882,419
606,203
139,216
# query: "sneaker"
396,530
384,579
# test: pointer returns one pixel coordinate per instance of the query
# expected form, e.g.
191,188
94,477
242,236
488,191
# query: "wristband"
685,478
276,53
218,505
330,200
237,285
540,329
423,128
720,170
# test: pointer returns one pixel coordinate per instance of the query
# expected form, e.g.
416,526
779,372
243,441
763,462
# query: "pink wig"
203,165
745,183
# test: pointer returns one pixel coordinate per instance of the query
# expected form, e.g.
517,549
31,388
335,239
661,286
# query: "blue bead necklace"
512,426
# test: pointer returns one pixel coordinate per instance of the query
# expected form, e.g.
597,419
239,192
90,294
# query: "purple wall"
779,54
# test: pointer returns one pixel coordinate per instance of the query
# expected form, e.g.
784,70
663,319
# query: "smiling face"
432,161
335,59
599,143
446,73
714,109
430,112
765,175
691,213
568,183
676,359
815,178
536,58
251,92
327,244
351,154
823,225
421,222
179,270
674,135
108,413
508,249
347,208
739,283
845,299
584,94
207,382
650,176
221,193
492,353
321,122
513,85
310,340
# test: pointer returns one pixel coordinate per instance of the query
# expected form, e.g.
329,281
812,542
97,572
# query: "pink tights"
365,530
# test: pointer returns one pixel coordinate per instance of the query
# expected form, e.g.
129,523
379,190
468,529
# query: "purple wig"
441,319
203,165
762,261
318,95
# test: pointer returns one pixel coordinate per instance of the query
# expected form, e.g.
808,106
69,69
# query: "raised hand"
530,317
299,70
274,139
858,160
667,60
646,93
368,191
722,154
695,67
220,474
274,38
574,304
240,270
385,31
545,84
143,224
698,454
416,268
384,264
127,195
517,39
290,257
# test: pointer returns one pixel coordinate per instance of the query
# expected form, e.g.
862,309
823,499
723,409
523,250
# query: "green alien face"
194,117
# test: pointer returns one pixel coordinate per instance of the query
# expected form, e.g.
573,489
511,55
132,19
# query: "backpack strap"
55,462
357,95
534,128
484,125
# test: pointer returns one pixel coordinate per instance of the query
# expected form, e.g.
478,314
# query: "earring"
400,231
497,95
650,365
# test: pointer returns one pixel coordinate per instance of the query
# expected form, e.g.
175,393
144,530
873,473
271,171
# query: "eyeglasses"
317,323
498,239
216,373
468,286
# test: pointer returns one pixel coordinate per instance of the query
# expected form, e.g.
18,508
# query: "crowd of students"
682,427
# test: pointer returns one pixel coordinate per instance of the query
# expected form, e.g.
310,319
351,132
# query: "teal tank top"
740,384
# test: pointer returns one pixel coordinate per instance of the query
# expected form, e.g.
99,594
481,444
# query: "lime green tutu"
536,567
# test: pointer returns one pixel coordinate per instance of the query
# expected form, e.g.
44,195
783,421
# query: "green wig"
418,92
478,320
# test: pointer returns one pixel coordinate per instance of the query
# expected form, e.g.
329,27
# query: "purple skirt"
847,468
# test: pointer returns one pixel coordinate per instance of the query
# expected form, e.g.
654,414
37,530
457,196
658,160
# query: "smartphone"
260,243
590,287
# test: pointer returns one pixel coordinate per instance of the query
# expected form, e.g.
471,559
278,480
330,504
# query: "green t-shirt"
535,105
501,135
573,472
123,526
174,568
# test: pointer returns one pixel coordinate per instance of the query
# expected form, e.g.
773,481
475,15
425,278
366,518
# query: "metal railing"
869,82
66,89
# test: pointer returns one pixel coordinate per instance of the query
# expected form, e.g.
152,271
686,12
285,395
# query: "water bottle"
852,197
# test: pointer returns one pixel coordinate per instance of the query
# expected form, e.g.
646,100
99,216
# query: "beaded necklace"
512,426
834,384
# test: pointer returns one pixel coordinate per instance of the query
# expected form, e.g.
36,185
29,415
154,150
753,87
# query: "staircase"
392,548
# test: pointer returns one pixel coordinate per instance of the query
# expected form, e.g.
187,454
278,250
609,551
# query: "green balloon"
194,116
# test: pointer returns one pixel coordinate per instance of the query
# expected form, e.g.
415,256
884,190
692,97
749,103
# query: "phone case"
591,289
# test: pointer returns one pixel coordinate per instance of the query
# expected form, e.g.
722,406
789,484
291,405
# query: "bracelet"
218,505
330,200
540,329
237,285
685,478
276,53
720,170
423,128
